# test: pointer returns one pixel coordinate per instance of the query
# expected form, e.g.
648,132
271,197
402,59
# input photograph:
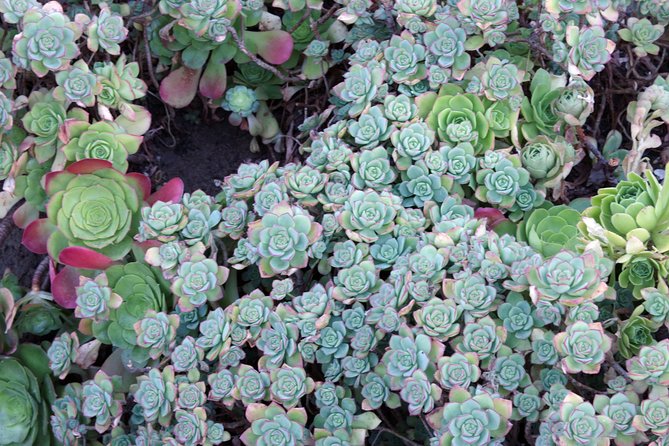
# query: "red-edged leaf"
88,166
171,191
492,215
274,46
144,246
142,182
24,215
63,287
85,258
178,89
36,235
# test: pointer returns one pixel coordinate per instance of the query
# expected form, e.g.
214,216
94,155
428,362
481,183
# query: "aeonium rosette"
93,213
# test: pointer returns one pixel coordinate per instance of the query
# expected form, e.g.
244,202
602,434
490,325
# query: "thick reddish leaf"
144,246
143,183
492,215
36,234
274,46
88,166
85,258
63,287
24,215
171,191
178,89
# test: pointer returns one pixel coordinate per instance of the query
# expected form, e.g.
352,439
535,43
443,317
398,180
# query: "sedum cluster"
418,275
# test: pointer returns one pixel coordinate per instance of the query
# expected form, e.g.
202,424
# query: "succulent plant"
155,393
583,347
582,424
101,402
197,281
271,425
77,84
589,51
47,41
642,33
551,229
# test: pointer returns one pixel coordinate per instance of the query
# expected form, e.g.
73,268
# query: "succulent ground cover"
459,236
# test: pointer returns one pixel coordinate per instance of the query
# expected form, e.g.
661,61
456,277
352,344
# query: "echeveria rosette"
483,337
408,353
621,408
583,347
653,414
656,304
457,117
106,31
467,419
46,116
156,332
251,385
92,210
162,221
13,10
549,161
447,42
403,57
575,103
473,295
196,15
289,385
215,334
241,101
273,426
155,392
62,354
568,278
583,427
282,238
641,270
635,333
509,372
356,283
589,50
438,318
550,229
103,140
142,289
518,319
120,84
197,281
102,402
642,33
367,215
539,110
95,298
651,364
77,84
499,79
458,370
502,184
423,8
411,143
47,41
24,400
419,186
361,84
370,128
190,428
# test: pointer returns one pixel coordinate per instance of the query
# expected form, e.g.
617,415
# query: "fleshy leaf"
214,78
142,182
36,235
63,287
25,214
85,258
171,191
178,89
274,46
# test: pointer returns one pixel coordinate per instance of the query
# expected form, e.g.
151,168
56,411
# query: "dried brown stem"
38,276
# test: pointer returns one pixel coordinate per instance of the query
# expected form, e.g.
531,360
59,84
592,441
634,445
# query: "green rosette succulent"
47,41
282,238
411,143
370,128
621,408
273,426
196,15
653,412
575,103
551,229
419,186
372,169
241,101
97,210
155,392
120,83
503,183
191,426
478,419
103,140
62,354
656,304
635,333
438,318
162,221
634,208
640,271
44,120
77,84
651,364
582,347
14,10
289,385
106,31
642,33
197,281
361,84
549,161
142,289
403,56
423,8
483,337
101,402
539,110
457,117
7,73
458,370
367,215
6,113
568,278
590,50
447,43
25,395
156,332
582,424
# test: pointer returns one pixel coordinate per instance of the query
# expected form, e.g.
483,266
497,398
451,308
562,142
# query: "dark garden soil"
200,152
